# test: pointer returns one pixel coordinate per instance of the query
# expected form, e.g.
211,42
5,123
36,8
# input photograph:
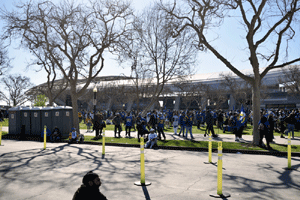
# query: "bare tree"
75,36
290,79
156,53
16,86
4,59
269,27
54,86
238,88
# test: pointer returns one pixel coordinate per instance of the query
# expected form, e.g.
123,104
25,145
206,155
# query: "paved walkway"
198,137
28,172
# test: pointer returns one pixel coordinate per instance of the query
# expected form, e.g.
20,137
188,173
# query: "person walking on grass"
128,124
160,126
175,122
189,124
117,122
182,123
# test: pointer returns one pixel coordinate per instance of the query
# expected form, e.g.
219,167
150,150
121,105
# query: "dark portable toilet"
14,120
25,121
36,121
57,119
67,119
46,114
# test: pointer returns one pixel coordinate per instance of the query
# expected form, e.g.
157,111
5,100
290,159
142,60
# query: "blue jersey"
161,122
128,121
189,120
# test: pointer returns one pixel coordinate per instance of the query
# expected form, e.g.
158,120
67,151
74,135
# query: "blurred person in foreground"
89,190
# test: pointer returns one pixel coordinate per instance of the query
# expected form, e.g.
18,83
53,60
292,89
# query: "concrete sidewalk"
198,137
28,172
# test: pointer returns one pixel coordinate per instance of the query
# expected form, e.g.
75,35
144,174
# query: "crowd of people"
280,120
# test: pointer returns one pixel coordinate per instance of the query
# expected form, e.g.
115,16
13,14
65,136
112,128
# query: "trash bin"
36,121
14,120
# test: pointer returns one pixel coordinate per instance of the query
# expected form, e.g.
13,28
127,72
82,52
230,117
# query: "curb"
214,150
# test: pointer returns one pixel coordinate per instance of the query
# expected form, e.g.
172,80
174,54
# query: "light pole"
95,99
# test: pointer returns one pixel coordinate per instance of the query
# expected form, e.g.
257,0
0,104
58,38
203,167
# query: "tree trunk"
256,110
75,112
50,98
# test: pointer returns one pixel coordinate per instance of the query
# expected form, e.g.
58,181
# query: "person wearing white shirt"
152,139
175,123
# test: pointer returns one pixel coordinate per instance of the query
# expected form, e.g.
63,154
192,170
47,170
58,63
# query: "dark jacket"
88,193
98,123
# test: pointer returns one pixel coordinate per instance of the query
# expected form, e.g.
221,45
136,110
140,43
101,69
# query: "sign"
67,113
35,114
46,114
57,114
12,116
25,114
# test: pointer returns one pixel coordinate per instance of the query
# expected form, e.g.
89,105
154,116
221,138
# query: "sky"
207,63
230,44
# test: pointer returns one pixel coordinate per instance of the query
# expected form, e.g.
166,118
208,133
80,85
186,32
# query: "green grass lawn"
189,143
4,123
197,144
247,131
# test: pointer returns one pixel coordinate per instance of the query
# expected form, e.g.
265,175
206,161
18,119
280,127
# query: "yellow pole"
45,136
289,151
220,163
0,134
142,162
209,149
103,142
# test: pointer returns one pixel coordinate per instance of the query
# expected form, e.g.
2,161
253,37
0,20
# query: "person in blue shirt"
128,124
189,124
160,126
182,123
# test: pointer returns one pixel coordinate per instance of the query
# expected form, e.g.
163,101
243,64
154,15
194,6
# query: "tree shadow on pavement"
265,189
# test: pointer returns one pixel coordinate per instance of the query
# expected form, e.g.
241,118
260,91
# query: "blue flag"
242,118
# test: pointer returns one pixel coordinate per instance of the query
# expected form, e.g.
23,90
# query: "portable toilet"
25,113
67,120
36,121
14,120
46,113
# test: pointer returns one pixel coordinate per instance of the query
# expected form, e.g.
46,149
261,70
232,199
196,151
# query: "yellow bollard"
103,142
142,157
45,136
0,134
220,166
289,151
142,162
209,150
